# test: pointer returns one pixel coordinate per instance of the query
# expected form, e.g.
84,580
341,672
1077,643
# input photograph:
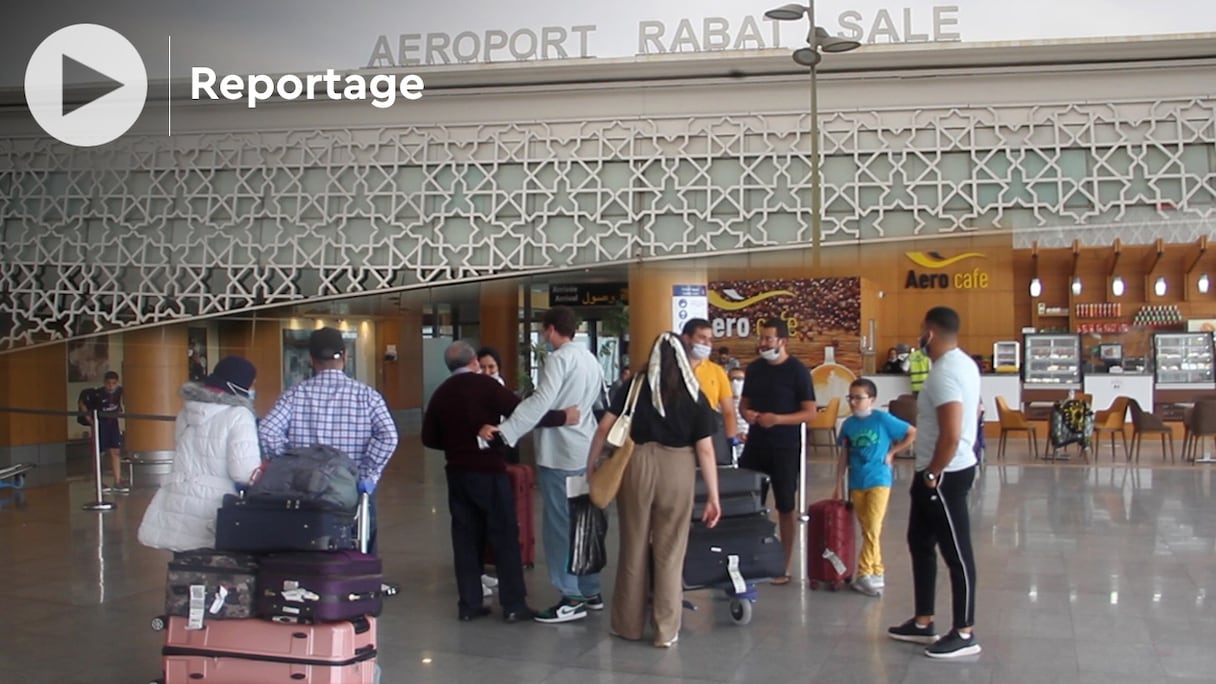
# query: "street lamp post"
817,40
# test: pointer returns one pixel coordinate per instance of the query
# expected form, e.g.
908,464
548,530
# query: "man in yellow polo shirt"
698,341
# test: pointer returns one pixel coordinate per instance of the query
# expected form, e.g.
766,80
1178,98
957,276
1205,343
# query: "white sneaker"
864,585
489,581
486,591
878,581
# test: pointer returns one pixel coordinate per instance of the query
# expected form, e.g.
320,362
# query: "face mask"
241,391
736,387
923,342
770,354
252,394
701,352
549,347
863,412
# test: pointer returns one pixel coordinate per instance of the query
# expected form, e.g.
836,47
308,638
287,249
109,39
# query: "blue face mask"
549,347
251,394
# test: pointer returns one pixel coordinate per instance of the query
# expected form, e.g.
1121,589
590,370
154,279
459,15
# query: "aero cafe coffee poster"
820,312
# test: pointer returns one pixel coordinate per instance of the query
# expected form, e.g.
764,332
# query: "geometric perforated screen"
155,229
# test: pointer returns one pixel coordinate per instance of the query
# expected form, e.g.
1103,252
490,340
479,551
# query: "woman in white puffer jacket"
217,449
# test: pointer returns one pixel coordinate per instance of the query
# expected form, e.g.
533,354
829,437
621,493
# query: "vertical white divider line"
169,102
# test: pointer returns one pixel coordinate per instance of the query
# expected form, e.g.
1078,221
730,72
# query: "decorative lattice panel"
153,229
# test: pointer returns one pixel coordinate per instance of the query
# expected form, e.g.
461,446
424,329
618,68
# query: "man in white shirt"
570,376
946,421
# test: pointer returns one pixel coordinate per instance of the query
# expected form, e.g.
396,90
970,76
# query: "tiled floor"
1086,574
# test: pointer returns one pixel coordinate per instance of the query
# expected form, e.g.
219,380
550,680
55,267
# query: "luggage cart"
13,477
741,602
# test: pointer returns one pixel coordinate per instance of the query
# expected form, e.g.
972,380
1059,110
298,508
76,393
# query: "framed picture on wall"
88,360
297,364
197,353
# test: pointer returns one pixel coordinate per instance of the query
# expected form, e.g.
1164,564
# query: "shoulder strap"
631,401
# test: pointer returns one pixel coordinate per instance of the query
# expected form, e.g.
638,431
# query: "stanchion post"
802,512
98,504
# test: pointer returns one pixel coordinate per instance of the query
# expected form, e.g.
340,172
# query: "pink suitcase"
245,651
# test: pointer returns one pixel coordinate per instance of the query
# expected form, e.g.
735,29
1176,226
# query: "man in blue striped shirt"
333,409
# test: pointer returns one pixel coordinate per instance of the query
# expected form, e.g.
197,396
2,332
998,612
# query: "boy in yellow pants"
869,440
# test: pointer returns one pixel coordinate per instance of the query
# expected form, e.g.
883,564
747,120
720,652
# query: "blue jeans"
556,534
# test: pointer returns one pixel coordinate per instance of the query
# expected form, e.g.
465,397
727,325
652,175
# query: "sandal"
779,581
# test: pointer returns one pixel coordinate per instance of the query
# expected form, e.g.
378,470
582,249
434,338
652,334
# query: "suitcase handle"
363,521
363,596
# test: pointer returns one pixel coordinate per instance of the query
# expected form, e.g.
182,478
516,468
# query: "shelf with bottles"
1159,316
1099,310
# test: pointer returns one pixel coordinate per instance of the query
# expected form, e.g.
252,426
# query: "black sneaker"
954,645
594,602
910,631
567,610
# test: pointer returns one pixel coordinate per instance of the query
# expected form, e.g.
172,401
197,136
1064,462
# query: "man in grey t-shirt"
571,376
946,422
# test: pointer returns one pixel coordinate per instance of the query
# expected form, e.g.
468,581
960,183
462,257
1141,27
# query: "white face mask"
701,352
736,387
863,412
770,354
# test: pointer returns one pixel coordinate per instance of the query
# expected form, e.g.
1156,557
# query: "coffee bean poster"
820,312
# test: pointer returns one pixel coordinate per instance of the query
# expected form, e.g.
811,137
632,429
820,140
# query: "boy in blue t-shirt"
870,440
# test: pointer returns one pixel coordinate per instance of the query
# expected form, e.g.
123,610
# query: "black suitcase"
753,539
734,506
258,526
734,481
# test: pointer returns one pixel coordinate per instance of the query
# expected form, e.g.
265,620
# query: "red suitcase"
523,482
246,651
830,552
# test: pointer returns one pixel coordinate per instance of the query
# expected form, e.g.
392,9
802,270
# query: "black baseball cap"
326,344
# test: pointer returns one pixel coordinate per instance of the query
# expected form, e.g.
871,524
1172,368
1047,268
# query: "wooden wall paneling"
33,379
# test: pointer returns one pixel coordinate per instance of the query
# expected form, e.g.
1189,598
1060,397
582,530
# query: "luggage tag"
576,485
198,602
736,577
218,604
293,592
831,557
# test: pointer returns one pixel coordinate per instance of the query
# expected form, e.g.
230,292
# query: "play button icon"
109,72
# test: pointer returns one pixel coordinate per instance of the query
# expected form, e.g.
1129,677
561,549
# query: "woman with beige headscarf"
670,427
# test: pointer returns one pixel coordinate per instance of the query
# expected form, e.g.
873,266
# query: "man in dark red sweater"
480,497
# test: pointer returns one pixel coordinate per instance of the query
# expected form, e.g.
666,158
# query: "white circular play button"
111,71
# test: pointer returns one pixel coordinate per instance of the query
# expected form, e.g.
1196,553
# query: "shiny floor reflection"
1087,573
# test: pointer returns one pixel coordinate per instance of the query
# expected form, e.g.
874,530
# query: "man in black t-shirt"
777,399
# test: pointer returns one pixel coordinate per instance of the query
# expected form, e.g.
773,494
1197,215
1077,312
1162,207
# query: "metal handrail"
100,503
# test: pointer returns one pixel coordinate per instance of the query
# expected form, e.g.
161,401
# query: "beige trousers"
655,510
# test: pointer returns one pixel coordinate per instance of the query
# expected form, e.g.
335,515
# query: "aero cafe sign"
936,272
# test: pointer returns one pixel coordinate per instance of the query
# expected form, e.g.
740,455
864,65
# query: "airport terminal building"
1059,194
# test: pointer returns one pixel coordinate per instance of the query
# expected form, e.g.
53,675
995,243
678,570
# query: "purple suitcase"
319,587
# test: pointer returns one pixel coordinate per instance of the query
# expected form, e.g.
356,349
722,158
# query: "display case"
1183,360
1006,356
1052,361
